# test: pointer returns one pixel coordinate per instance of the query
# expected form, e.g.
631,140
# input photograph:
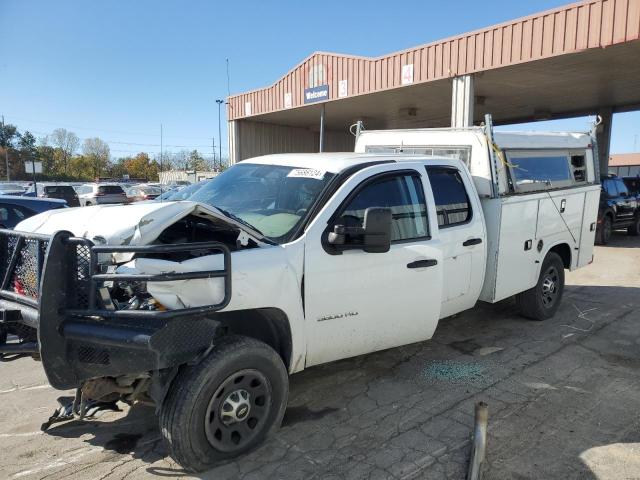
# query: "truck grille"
25,279
82,275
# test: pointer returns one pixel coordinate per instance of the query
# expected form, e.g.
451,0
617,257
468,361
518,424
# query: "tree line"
65,158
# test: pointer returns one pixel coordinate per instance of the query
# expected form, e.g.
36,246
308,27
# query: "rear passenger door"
462,236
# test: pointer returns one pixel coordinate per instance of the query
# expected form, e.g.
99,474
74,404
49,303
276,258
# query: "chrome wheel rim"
550,286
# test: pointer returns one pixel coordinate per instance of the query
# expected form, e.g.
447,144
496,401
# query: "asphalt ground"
563,396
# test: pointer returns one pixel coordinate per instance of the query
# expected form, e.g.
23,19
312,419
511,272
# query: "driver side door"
358,302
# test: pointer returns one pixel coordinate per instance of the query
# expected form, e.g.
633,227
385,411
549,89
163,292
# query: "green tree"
196,161
9,136
47,155
66,144
141,166
82,167
97,151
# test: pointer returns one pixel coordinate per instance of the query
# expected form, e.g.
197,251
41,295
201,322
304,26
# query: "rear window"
110,189
452,202
60,190
541,170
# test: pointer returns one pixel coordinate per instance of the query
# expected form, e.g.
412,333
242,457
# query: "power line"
117,142
119,132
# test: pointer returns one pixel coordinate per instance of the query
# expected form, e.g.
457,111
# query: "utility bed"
536,189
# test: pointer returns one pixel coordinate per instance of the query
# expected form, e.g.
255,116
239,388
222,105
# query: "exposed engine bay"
135,295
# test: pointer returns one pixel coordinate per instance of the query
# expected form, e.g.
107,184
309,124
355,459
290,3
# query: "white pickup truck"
329,256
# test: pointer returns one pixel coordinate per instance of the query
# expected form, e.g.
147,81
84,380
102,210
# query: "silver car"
100,193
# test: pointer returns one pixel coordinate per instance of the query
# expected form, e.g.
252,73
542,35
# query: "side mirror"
377,230
374,236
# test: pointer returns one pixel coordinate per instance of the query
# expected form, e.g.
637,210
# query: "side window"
4,213
403,195
540,170
622,188
452,202
19,214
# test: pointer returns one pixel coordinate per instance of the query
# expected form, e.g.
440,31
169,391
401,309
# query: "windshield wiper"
238,219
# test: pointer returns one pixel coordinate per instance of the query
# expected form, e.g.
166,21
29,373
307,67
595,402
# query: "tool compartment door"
516,267
588,229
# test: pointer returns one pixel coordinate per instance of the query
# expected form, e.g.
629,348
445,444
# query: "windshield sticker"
306,173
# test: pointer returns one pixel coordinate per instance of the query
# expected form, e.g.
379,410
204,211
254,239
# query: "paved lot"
564,398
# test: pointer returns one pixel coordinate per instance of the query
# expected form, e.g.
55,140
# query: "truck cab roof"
336,162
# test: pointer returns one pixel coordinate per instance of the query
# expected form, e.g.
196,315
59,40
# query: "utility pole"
161,159
6,152
219,102
213,147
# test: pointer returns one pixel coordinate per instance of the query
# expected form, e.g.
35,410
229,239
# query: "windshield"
273,199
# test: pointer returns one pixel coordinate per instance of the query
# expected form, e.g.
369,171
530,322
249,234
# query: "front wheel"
225,405
542,301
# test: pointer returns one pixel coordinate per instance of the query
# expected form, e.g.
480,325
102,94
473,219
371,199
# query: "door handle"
422,263
563,205
472,241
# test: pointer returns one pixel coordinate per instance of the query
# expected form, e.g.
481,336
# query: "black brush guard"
50,286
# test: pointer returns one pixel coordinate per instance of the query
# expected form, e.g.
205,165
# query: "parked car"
139,193
60,191
330,255
11,189
619,209
14,209
181,193
100,193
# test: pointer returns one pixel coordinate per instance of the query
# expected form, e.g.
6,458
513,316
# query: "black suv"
618,209
61,192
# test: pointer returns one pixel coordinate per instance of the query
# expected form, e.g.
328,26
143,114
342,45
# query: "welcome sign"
316,94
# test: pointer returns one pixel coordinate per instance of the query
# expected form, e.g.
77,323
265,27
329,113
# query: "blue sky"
118,69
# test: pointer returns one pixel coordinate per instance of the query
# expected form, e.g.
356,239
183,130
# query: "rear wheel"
604,233
226,405
634,228
542,301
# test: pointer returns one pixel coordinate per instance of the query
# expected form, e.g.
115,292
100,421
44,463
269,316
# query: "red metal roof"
572,28
624,160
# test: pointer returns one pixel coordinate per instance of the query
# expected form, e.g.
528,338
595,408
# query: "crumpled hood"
135,224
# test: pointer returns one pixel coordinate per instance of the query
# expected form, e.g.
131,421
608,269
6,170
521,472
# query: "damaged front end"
85,320
116,321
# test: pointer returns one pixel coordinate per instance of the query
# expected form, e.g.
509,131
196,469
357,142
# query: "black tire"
191,417
634,228
542,301
604,232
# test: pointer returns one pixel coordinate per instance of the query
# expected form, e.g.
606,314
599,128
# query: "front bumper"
50,288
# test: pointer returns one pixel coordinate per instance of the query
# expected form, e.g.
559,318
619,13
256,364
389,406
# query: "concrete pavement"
563,395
